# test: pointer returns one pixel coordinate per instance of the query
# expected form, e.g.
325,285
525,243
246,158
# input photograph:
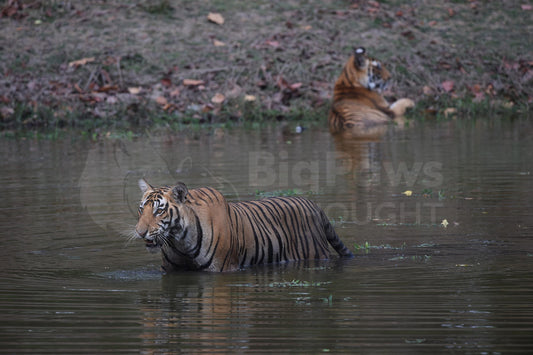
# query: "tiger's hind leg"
335,241
400,106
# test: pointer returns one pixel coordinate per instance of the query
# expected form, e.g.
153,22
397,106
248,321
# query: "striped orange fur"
357,100
199,230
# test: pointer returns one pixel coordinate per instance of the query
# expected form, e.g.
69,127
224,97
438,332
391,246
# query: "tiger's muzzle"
150,241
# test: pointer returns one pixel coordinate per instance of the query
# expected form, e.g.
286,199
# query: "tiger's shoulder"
205,196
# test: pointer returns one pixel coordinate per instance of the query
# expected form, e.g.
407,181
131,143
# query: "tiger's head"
163,218
362,70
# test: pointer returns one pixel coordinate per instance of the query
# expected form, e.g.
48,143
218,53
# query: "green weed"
328,300
414,258
298,283
366,247
283,193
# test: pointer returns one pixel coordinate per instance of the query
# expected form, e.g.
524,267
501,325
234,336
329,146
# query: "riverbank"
128,66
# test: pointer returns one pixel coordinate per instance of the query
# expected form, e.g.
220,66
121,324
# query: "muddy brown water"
447,269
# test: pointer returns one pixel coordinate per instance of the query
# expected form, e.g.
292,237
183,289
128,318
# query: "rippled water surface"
439,216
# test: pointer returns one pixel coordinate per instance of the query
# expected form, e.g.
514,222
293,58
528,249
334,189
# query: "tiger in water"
357,100
198,229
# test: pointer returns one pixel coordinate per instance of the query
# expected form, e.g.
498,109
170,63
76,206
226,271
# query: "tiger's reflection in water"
261,307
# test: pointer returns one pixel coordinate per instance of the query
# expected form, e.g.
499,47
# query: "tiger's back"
202,231
281,229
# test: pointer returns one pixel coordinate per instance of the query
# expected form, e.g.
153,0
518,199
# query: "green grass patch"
283,193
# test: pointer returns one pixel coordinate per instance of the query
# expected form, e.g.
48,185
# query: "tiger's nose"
141,234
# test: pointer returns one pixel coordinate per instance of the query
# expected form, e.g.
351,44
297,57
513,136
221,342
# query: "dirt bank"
128,64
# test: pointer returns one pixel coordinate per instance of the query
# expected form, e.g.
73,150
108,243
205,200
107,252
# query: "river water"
439,216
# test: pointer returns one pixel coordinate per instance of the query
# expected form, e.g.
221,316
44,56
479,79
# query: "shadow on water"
446,267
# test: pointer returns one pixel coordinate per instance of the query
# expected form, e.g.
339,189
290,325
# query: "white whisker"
130,235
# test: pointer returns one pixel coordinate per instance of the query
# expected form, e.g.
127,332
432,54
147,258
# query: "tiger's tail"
334,239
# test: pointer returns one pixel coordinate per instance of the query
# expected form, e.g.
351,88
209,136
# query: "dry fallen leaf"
166,82
479,94
272,43
427,90
11,9
216,18
80,62
107,88
161,100
111,100
6,112
218,98
207,108
218,43
192,82
235,92
447,85
475,88
408,34
249,98
281,82
295,86
169,107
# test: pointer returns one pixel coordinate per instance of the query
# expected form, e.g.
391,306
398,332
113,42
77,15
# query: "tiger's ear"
359,57
144,186
179,192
